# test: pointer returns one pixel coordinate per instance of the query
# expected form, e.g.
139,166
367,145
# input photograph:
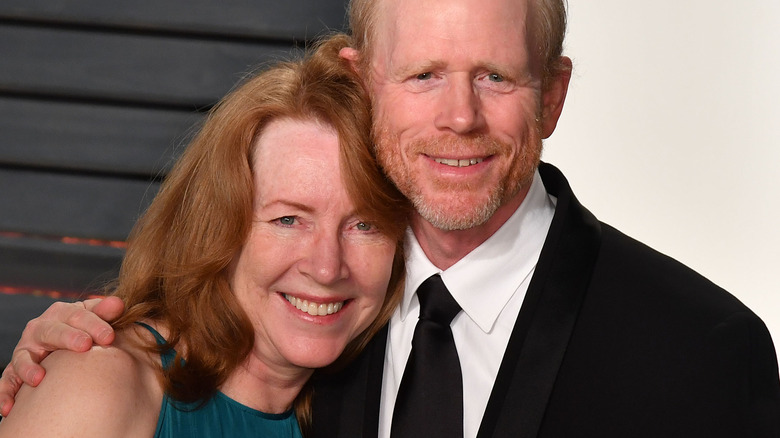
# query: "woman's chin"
314,357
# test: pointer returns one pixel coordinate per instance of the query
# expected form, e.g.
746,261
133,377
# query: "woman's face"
311,275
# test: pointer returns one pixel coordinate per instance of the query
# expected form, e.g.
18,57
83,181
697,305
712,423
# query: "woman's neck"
266,388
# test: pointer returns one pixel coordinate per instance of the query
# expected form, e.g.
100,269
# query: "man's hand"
63,326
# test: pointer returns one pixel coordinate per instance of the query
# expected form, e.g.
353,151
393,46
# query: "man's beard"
459,208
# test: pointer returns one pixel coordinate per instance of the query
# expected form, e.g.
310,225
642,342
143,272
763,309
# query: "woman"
272,249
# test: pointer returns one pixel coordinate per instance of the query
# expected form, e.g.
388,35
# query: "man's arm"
107,391
63,326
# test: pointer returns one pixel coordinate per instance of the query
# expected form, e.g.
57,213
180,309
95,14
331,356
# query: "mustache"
478,145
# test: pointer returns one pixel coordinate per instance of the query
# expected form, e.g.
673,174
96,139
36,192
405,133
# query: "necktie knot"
436,302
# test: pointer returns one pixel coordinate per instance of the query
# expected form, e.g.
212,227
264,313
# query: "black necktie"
430,398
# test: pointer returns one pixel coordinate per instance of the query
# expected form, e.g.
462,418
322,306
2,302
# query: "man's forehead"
400,12
436,31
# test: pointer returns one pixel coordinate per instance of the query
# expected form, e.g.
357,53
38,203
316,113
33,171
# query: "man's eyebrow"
433,65
507,71
419,67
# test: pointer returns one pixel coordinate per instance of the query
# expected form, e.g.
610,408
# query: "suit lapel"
374,372
546,320
346,404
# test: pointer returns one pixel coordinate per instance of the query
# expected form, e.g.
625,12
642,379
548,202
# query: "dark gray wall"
96,100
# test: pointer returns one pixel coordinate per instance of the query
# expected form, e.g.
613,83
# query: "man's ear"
553,96
352,56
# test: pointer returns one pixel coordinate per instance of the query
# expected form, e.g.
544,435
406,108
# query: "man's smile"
458,163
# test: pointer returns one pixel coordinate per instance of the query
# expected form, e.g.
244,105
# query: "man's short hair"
547,31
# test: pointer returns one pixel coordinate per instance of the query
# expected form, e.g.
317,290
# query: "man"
568,327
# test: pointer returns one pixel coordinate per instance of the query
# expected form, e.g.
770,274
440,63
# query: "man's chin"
456,215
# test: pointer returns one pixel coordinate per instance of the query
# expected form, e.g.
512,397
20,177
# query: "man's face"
457,101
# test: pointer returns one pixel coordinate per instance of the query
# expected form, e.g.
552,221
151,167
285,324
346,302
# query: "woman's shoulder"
106,391
123,367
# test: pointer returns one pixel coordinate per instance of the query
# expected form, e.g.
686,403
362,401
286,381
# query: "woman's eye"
287,220
495,77
424,76
364,226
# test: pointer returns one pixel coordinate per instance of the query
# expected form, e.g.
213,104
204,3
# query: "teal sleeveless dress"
221,416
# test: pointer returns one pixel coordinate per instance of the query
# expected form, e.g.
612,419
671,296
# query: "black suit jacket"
613,340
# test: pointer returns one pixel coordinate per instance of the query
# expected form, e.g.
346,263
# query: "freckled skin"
459,86
307,241
456,80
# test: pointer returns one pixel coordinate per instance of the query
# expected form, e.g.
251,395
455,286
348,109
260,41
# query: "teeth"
314,309
458,163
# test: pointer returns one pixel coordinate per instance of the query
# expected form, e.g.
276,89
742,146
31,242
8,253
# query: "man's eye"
287,220
424,76
364,226
495,77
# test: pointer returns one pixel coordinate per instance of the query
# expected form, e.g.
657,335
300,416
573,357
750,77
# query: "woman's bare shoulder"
106,391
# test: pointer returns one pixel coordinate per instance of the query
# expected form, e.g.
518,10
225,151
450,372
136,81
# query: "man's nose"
324,261
459,107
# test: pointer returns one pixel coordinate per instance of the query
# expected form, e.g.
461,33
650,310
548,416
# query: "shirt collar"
485,279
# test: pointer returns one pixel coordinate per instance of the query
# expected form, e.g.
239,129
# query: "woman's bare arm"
107,391
69,326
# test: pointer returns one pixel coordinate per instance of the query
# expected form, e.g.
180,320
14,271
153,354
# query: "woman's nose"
325,260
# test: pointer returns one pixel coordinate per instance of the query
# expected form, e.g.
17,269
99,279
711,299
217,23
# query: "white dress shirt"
490,284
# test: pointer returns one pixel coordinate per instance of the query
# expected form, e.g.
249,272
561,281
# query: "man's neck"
445,248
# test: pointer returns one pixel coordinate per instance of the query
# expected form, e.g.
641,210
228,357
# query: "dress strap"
168,354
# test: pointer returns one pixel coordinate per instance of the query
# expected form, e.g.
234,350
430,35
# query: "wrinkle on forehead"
414,30
296,156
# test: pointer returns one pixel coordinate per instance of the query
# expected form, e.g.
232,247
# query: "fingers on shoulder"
61,326
9,386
